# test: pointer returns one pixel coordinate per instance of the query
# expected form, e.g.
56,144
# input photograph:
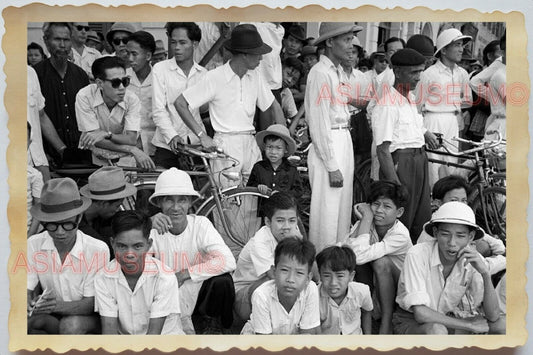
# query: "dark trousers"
412,170
166,159
216,298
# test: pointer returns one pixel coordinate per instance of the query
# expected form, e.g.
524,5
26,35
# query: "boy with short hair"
289,303
135,294
254,266
455,188
381,239
345,305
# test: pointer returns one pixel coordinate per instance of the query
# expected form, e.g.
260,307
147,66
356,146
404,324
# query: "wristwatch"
109,135
200,134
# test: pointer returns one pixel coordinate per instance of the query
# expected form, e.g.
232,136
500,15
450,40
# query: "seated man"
107,189
62,262
195,251
137,296
109,116
445,285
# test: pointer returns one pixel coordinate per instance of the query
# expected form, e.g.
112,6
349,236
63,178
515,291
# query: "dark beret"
407,57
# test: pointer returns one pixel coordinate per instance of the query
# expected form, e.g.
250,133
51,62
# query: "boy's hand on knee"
45,305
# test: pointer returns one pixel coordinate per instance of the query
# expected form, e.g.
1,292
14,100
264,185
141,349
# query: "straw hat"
454,212
173,182
280,131
60,200
333,29
108,183
448,36
93,36
246,39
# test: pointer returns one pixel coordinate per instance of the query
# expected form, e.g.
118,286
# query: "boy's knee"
498,327
435,328
74,325
382,265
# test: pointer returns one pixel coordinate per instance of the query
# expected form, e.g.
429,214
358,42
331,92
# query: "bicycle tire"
363,173
240,209
495,212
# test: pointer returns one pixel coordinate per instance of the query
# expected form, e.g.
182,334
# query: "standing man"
109,116
331,160
400,136
60,81
140,47
233,91
83,55
118,37
170,78
443,92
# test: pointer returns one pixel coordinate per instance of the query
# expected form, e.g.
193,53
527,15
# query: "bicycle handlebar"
197,151
480,146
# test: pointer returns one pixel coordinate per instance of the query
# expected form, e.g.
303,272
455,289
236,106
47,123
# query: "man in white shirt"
83,55
233,92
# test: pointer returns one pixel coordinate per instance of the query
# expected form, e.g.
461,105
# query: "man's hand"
161,222
142,159
470,254
182,276
174,142
265,190
478,325
335,178
43,305
362,211
89,139
208,143
431,140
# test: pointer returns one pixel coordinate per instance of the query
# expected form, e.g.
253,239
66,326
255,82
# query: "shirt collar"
443,68
76,250
435,258
229,73
285,165
327,62
175,66
99,99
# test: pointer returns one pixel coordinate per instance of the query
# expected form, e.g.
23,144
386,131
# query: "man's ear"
400,212
150,241
268,222
352,275
195,44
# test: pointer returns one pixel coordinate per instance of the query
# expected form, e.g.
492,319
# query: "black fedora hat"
246,39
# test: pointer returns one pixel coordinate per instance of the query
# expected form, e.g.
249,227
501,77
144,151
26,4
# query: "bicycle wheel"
491,214
240,206
363,173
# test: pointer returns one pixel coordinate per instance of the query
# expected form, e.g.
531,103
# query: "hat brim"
129,190
264,49
428,227
41,216
170,192
464,37
337,32
291,144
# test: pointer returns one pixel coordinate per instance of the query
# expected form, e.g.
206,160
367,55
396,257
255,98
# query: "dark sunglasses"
125,40
86,28
115,83
53,226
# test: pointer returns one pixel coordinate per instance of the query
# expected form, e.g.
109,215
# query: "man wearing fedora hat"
194,250
443,92
160,52
233,92
293,42
93,41
62,263
330,160
445,285
107,188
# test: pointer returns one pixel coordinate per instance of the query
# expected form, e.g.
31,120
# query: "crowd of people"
116,100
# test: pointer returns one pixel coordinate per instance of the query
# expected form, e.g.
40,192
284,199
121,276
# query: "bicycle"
488,194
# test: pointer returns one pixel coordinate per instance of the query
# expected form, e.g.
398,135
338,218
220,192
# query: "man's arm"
366,321
424,314
182,106
50,134
143,160
386,163
51,304
315,330
272,115
109,325
155,325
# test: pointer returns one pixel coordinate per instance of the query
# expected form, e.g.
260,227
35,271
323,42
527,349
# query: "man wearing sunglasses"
62,262
109,116
118,37
83,55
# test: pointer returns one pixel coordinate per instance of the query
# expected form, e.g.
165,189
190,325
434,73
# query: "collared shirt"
358,87
368,247
498,89
60,98
287,103
422,283
72,280
86,59
155,295
199,249
256,258
35,104
442,89
286,178
396,119
270,317
479,83
33,190
344,318
169,82
325,107
144,92
232,100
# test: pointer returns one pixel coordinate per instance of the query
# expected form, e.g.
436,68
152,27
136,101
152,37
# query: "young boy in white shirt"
289,303
254,266
135,294
345,305
381,240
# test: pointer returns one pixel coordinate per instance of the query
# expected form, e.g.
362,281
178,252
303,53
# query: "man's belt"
341,126
237,133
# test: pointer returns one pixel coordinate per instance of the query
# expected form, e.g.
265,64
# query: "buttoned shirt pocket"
451,297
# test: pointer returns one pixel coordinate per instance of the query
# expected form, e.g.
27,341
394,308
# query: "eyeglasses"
125,40
80,27
115,83
53,226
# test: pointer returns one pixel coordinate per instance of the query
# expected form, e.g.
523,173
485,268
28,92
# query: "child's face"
290,76
292,45
458,195
275,150
290,276
130,247
335,283
310,60
385,211
283,224
34,56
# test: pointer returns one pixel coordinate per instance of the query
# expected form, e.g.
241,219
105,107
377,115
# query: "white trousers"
331,207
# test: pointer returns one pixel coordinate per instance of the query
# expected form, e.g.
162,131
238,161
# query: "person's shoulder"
421,249
358,288
400,229
77,70
93,51
38,239
266,290
91,242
